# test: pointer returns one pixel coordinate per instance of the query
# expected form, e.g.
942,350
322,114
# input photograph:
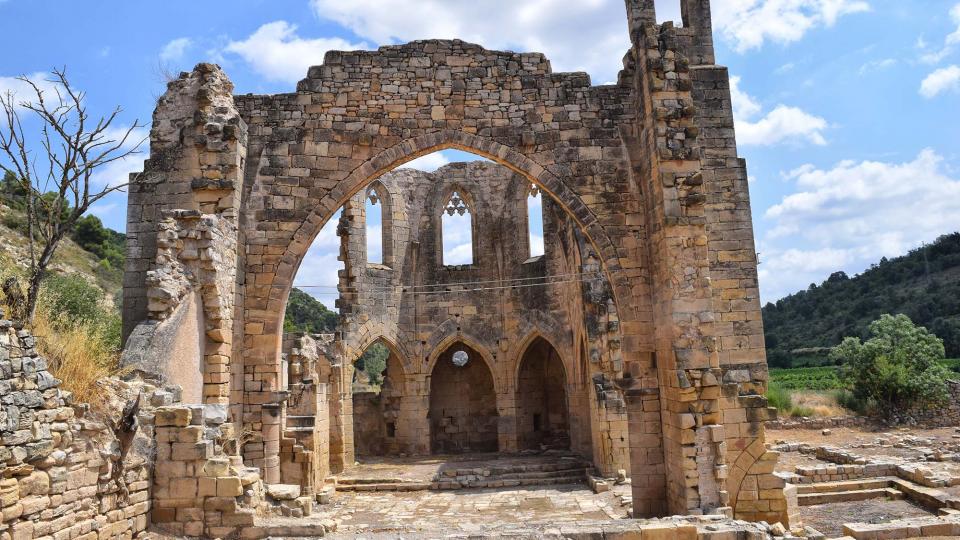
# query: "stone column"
666,164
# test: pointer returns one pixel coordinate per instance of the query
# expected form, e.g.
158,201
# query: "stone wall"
70,471
944,415
645,170
400,305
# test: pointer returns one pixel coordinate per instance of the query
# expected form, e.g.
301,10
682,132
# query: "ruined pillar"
698,22
182,222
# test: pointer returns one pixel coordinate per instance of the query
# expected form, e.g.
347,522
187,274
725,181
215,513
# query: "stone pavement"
431,513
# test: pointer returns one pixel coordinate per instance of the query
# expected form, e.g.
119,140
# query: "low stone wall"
846,465
70,473
945,415
818,423
198,489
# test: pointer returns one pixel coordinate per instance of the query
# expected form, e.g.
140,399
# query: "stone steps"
845,485
384,486
546,473
559,470
496,482
848,496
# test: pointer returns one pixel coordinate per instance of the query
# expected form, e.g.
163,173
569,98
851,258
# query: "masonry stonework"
661,354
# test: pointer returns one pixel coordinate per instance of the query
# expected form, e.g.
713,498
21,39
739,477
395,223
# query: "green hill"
923,284
307,314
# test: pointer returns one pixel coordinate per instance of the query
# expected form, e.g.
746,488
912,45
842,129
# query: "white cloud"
748,24
536,245
949,43
428,163
847,217
276,52
173,51
103,210
877,65
374,242
586,35
942,80
457,239
23,92
782,124
744,105
954,38
785,68
117,173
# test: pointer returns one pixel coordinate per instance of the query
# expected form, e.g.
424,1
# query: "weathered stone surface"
667,345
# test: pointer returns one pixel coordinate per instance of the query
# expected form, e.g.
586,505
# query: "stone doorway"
378,391
542,414
463,403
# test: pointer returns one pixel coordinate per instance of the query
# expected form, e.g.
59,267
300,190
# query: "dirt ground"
829,518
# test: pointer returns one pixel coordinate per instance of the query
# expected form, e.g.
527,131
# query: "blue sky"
848,111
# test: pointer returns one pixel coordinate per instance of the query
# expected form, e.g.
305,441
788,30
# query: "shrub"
779,397
900,366
71,301
847,400
78,336
79,354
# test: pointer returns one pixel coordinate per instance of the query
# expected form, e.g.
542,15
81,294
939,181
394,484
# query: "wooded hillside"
924,285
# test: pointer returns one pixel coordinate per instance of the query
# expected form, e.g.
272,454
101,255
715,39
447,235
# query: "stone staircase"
380,484
564,470
847,491
479,475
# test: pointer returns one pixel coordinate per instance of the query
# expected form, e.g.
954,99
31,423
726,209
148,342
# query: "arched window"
457,231
535,221
377,225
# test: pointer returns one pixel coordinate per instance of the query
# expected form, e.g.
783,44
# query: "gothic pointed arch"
377,197
458,230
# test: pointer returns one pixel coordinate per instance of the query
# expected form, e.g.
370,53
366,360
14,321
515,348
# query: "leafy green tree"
107,244
373,362
898,367
11,192
307,314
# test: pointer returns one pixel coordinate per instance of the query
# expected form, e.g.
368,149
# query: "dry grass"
78,355
818,403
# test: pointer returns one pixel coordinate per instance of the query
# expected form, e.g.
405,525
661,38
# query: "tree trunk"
37,273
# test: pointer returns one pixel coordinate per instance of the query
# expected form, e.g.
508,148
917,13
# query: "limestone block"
172,416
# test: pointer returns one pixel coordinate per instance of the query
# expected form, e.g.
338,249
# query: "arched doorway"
463,403
378,390
542,415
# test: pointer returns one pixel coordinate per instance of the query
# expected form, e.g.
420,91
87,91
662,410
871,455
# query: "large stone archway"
238,186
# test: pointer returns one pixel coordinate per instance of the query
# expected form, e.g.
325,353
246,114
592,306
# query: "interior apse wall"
463,405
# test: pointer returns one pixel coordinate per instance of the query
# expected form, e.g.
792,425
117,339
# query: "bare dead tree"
58,178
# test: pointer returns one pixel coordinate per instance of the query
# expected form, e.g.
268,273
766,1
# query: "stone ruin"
650,362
